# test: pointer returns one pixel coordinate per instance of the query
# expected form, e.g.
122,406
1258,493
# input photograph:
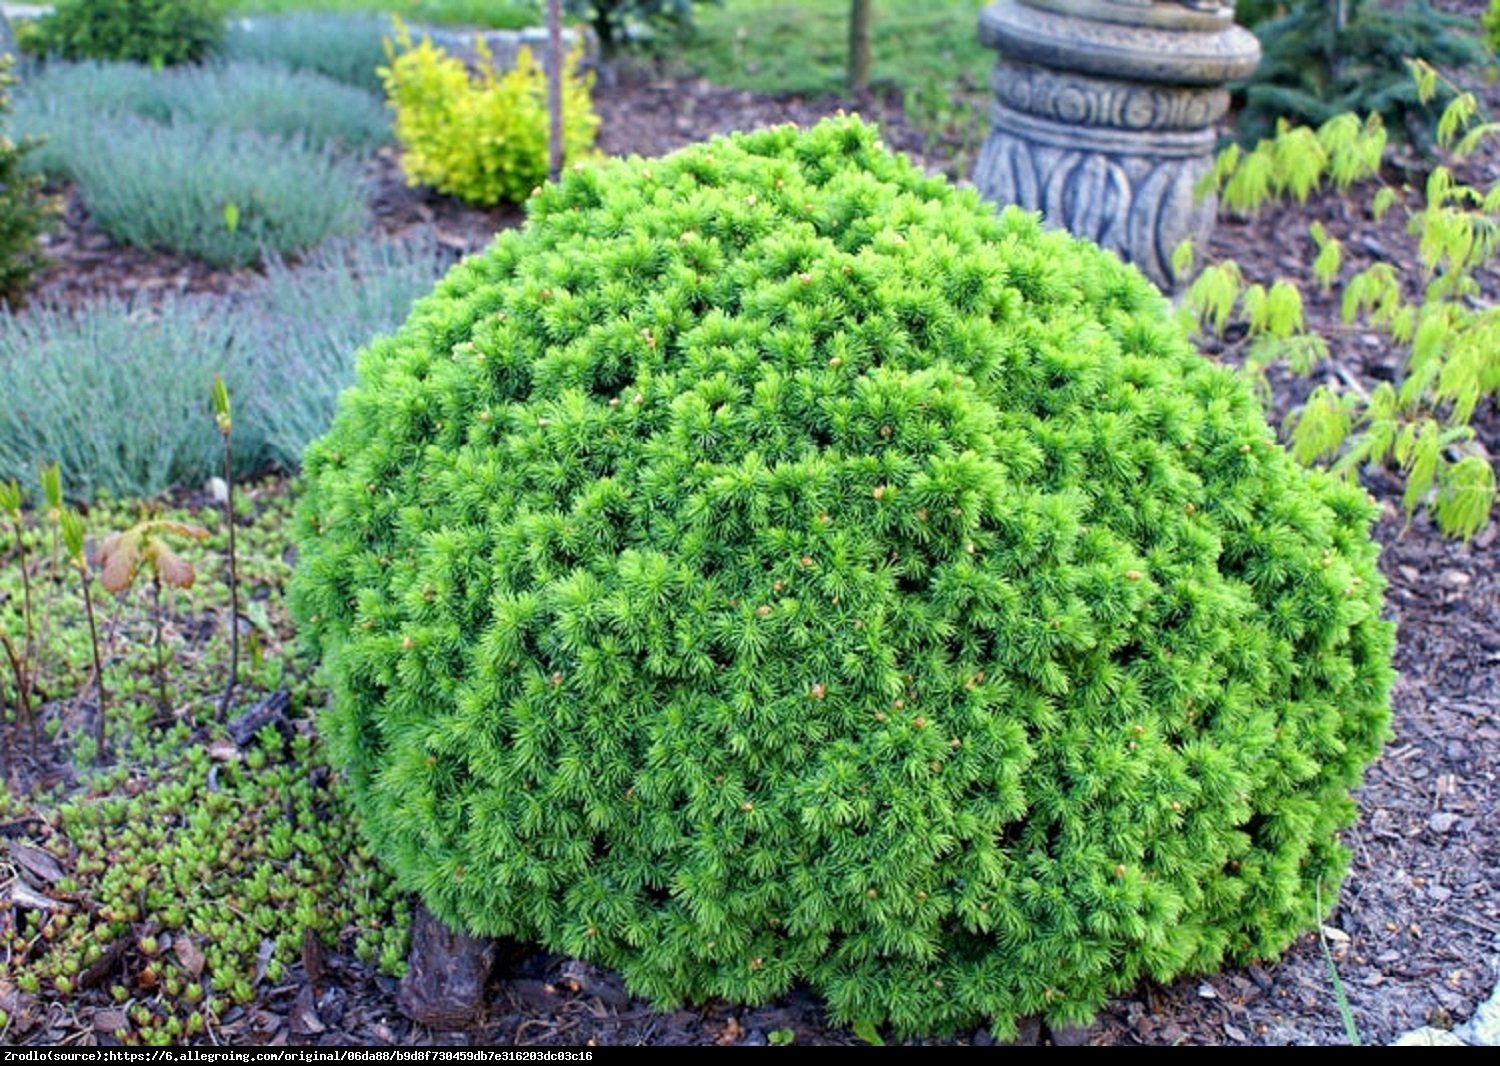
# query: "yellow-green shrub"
480,136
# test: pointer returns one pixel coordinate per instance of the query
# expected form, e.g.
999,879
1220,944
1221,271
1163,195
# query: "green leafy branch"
1448,332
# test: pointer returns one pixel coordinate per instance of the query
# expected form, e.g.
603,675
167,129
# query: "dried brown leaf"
120,556
24,897
37,862
181,529
188,954
169,567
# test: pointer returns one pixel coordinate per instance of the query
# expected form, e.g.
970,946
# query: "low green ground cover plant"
154,32
118,391
1434,308
211,865
771,565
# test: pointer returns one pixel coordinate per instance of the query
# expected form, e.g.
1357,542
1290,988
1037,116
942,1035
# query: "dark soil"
1417,932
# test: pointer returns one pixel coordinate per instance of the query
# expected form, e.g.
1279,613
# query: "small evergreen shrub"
616,22
301,330
155,32
771,565
236,95
25,211
480,136
344,47
1320,60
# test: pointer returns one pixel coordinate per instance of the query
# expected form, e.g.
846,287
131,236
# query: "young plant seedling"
70,525
122,555
224,415
21,661
50,478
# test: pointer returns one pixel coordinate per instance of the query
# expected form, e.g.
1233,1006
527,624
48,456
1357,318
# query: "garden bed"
644,111
1417,930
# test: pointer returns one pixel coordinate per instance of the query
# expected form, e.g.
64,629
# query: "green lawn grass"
771,46
927,50
498,14
777,46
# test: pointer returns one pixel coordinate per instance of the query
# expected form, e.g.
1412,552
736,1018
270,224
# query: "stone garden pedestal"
1104,117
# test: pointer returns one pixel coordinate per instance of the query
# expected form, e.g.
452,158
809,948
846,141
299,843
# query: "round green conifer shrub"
159,33
771,565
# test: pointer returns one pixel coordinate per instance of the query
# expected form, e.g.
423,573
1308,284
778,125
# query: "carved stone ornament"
1104,117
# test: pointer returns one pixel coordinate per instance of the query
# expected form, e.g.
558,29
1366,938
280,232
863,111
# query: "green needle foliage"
154,32
25,210
771,565
1323,59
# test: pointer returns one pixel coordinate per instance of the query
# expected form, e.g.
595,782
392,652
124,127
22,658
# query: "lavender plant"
239,95
167,187
116,389
344,47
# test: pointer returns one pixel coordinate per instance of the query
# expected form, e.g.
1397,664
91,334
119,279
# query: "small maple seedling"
122,557
224,418
21,660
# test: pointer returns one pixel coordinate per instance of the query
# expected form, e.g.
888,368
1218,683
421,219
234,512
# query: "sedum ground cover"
187,874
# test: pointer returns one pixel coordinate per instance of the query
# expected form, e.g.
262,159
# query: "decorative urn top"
1160,14
1182,42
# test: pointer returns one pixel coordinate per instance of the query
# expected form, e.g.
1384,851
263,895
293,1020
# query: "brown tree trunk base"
447,975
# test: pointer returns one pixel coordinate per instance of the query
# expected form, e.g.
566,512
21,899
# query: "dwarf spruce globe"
769,565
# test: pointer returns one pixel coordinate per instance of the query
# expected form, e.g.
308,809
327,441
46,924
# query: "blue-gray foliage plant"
117,391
